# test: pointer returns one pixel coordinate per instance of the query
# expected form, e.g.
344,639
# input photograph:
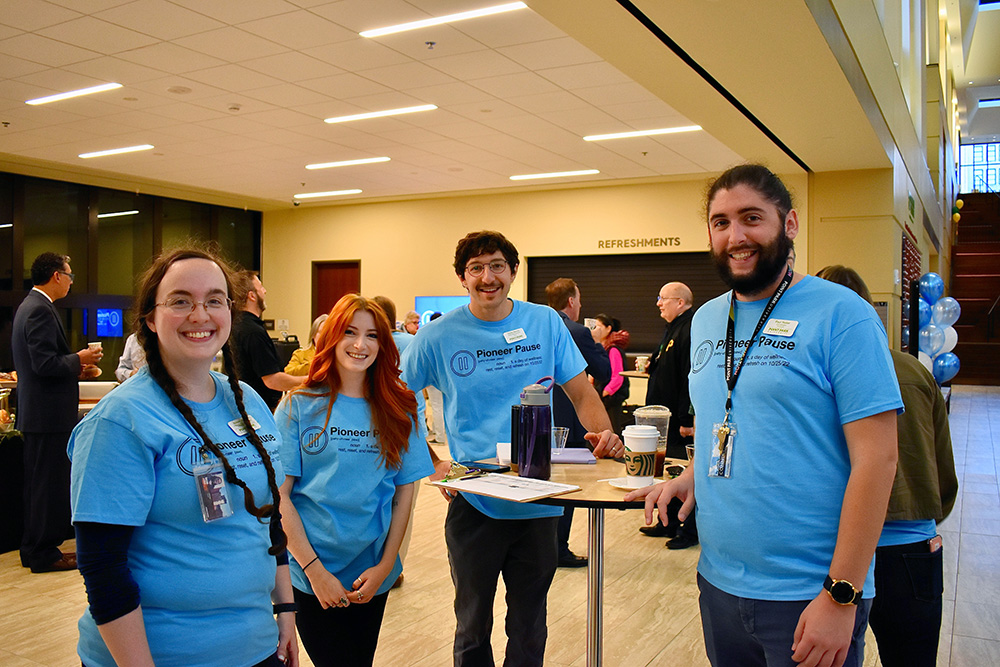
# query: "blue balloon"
931,287
946,312
925,312
905,335
906,310
931,339
946,367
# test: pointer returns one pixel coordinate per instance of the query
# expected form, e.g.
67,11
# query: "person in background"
563,296
132,359
436,430
668,386
48,400
411,323
402,339
608,333
487,537
301,358
175,494
352,453
804,433
909,563
256,356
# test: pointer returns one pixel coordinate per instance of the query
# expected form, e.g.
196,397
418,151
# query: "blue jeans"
750,633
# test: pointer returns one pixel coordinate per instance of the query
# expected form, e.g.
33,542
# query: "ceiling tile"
344,86
164,20
171,58
517,27
548,102
110,68
358,15
97,35
13,67
228,11
292,66
476,65
357,54
444,40
89,6
584,76
284,118
187,112
407,75
287,94
550,53
230,44
618,92
521,83
298,30
233,77
445,94
33,15
44,50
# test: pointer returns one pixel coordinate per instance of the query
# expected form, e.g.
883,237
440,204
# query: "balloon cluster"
936,315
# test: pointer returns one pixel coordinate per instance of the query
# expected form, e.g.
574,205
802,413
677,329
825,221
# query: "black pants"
689,527
46,498
339,636
906,614
480,549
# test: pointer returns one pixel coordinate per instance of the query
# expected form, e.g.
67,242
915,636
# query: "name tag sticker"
239,428
514,336
776,327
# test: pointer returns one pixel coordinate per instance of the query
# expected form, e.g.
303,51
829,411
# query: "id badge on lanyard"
724,433
213,491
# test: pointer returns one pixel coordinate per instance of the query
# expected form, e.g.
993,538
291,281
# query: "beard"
772,261
260,302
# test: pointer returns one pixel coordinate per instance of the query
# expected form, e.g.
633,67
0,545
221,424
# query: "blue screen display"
109,323
428,305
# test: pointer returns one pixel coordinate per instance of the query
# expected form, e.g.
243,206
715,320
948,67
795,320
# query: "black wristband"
282,607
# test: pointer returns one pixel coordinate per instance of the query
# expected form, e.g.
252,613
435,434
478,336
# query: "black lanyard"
733,374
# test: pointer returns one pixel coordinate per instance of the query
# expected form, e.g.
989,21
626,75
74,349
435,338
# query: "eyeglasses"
67,273
181,305
496,266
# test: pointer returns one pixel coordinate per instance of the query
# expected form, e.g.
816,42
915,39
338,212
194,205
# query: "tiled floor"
651,612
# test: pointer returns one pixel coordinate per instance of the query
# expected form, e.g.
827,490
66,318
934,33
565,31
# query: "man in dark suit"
48,399
563,296
668,386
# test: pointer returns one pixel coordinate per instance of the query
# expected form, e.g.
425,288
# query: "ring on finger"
343,602
361,596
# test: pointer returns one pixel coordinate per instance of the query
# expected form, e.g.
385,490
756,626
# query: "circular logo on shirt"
313,440
188,456
702,355
463,363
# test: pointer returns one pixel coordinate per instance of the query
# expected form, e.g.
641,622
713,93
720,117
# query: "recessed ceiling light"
346,163
555,174
117,151
643,133
74,93
380,114
450,18
116,214
331,193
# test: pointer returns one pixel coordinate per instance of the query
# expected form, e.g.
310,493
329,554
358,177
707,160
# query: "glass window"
124,240
185,222
239,236
55,220
6,235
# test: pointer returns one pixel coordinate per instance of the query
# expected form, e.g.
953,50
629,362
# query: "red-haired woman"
351,453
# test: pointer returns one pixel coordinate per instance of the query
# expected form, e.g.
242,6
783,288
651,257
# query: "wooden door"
332,280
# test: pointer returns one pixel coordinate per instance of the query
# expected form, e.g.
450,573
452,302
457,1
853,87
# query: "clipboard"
508,487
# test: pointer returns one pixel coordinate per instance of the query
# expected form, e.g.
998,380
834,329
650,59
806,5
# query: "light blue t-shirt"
205,587
402,339
344,490
769,531
481,376
895,533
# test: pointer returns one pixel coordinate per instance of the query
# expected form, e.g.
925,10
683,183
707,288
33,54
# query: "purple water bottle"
534,436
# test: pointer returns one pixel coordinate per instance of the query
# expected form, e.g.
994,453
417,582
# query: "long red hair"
393,406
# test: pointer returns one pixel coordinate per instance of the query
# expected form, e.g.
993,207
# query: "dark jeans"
480,549
46,498
759,633
906,614
339,636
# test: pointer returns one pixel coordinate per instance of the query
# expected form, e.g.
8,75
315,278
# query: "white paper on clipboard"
508,487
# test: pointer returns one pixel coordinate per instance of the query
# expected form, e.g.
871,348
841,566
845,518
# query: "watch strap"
284,606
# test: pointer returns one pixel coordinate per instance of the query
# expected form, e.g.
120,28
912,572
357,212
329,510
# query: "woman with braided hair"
351,452
175,494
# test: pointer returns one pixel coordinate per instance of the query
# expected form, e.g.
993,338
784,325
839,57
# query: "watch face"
842,592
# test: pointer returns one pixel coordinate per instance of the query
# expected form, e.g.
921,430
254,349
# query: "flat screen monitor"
428,305
109,323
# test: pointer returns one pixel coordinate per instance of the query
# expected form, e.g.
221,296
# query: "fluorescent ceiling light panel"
9,224
989,104
346,163
117,151
331,193
381,114
74,93
116,214
555,174
450,18
643,133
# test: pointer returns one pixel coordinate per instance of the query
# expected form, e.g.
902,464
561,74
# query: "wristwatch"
842,591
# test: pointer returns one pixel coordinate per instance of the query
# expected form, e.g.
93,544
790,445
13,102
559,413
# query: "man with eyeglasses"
481,357
257,360
668,386
48,398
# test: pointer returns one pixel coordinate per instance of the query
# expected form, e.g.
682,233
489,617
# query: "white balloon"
950,340
926,360
945,312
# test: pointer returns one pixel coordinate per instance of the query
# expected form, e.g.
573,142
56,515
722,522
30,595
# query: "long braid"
273,511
